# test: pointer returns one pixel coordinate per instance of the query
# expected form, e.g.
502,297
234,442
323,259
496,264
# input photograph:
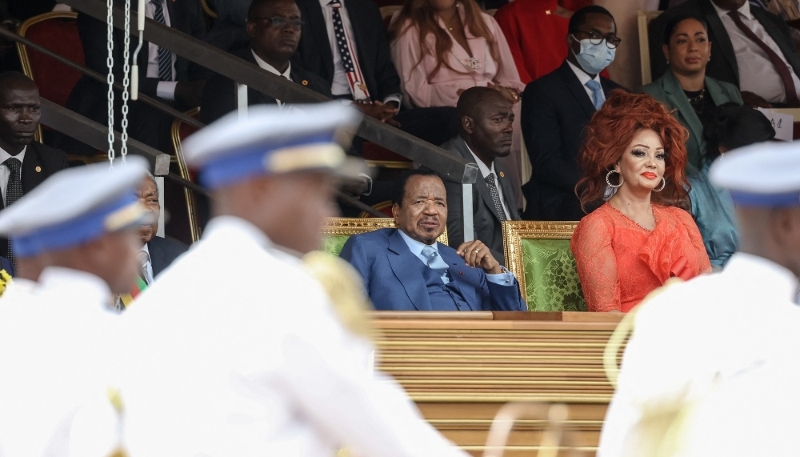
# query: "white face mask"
594,58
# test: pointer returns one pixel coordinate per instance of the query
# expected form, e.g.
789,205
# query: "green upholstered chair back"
338,229
538,254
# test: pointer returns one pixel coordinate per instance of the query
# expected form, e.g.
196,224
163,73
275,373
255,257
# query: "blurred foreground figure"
56,338
711,368
236,350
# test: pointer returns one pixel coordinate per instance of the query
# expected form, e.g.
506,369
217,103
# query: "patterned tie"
780,66
13,192
164,56
144,258
498,205
351,66
435,262
597,93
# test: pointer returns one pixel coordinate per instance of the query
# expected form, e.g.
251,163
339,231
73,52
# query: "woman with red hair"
633,160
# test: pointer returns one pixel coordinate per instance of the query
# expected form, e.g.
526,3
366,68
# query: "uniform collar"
79,288
235,228
772,278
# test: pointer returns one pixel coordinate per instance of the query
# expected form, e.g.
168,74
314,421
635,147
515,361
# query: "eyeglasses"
595,37
280,22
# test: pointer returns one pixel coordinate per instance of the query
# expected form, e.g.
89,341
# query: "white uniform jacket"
693,338
235,351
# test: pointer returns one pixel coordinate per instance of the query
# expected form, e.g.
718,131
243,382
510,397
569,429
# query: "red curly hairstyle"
608,135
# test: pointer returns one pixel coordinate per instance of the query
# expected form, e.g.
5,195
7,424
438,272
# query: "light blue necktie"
435,262
597,93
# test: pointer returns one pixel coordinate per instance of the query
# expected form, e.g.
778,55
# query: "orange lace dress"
619,261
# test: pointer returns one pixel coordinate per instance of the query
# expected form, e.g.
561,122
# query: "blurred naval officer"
718,336
236,350
57,344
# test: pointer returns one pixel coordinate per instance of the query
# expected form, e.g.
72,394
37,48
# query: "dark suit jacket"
90,98
6,264
486,221
219,95
722,65
389,269
555,110
163,252
48,160
372,46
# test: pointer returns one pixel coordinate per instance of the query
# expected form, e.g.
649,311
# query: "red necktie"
783,70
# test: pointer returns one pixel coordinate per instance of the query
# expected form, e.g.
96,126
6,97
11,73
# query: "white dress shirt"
5,172
486,171
340,85
506,278
165,89
149,265
250,359
585,78
757,74
57,350
692,338
286,74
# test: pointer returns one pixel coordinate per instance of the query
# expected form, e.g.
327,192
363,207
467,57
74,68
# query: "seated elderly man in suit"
406,269
486,118
156,253
274,30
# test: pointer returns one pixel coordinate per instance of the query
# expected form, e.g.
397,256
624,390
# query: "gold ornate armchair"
338,229
179,132
538,254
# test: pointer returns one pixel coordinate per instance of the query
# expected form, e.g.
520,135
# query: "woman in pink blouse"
443,47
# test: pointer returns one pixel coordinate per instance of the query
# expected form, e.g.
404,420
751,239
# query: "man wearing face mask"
556,108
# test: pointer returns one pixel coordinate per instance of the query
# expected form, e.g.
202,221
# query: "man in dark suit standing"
751,49
486,117
163,75
156,253
365,74
556,108
25,163
274,28
406,269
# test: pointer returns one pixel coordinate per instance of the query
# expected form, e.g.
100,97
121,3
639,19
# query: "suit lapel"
577,89
316,22
508,192
255,97
361,45
30,176
156,258
404,266
675,94
721,39
480,184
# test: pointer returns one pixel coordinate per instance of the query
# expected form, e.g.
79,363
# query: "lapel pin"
38,169
304,82
461,272
502,175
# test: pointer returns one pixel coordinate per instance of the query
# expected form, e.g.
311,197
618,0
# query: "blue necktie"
597,93
435,262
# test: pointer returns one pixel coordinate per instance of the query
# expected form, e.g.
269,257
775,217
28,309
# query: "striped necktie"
164,56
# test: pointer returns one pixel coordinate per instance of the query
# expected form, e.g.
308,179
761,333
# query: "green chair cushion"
551,277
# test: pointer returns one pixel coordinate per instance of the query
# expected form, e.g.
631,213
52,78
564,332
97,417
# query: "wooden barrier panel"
460,368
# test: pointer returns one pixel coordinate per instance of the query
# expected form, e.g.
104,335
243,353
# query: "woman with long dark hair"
633,162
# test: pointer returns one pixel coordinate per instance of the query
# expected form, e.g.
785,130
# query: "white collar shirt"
728,323
248,332
416,247
486,171
584,78
165,89
286,74
757,74
5,172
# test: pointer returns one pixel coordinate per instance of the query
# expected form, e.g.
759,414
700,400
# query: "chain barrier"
126,80
110,80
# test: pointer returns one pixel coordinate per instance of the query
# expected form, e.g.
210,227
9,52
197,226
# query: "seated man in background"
156,253
274,30
24,162
751,49
557,107
486,117
406,269
369,77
